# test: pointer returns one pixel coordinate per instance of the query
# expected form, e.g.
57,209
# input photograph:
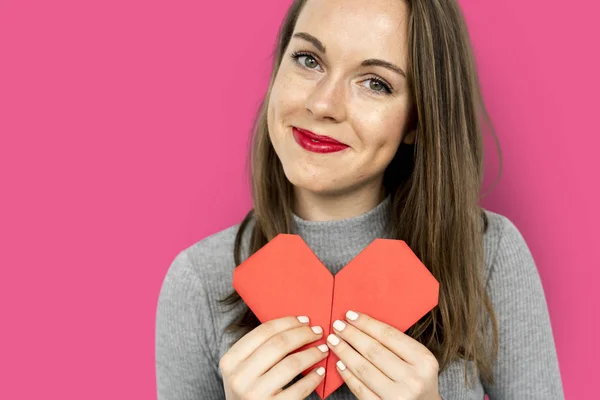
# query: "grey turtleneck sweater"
190,322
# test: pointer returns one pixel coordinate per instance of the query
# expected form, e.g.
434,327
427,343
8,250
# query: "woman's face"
327,91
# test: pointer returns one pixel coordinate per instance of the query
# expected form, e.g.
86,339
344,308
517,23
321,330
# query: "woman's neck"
311,206
335,242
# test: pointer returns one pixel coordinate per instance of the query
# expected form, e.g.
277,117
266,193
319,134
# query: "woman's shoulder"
506,251
188,312
206,265
212,257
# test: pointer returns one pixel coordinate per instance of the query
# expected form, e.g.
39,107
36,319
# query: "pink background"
123,137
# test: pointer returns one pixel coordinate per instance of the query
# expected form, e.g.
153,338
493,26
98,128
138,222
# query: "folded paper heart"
386,281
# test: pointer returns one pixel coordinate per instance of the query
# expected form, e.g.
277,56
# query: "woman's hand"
387,364
258,366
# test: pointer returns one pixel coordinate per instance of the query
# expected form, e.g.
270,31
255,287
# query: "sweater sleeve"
527,365
186,368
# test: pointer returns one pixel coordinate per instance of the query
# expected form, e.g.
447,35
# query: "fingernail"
339,325
323,348
351,315
334,340
303,319
321,371
317,329
340,365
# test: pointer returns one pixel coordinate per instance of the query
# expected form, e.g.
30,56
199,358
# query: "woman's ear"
409,137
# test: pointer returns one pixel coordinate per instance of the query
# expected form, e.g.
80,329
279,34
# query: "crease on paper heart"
329,330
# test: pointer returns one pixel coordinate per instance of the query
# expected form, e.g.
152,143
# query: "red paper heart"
386,281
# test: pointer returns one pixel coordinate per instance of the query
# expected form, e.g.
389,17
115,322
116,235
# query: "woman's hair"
434,185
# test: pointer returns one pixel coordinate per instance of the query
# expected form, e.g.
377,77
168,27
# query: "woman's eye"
378,86
310,61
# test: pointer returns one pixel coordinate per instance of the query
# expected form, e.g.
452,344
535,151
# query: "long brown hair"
434,183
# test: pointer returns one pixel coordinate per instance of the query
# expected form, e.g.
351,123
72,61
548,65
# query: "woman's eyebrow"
370,62
310,38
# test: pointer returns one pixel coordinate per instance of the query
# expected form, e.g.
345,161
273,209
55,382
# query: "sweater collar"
337,242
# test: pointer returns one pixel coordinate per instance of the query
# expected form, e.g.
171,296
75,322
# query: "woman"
370,128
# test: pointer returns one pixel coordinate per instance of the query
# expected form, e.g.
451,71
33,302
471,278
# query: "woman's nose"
327,100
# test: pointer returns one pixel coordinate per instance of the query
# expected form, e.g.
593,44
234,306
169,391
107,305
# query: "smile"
317,143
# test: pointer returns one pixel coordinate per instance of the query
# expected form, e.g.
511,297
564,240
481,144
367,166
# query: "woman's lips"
317,143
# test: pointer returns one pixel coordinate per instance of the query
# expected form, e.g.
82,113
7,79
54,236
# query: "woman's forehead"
381,17
363,28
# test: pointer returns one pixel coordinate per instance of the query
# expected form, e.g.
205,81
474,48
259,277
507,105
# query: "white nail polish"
323,348
317,329
334,340
303,319
339,325
321,371
351,315
340,365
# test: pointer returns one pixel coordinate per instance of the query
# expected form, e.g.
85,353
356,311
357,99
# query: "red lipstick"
317,143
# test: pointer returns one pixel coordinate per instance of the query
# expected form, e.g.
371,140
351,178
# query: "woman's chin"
317,185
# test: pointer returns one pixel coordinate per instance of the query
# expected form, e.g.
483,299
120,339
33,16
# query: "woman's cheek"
297,90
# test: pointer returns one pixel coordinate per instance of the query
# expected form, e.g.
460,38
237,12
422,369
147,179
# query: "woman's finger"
304,387
397,341
287,369
356,386
276,348
360,367
244,347
379,355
